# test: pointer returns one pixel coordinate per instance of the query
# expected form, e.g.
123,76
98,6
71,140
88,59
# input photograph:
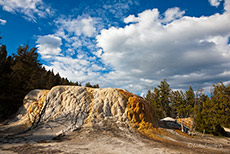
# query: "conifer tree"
190,102
26,65
164,97
88,84
5,81
221,104
157,104
178,104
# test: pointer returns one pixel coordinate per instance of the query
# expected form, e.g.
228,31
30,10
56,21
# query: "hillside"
97,120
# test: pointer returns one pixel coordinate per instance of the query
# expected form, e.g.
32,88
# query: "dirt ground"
113,141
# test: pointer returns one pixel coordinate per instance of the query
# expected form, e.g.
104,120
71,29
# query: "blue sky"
130,44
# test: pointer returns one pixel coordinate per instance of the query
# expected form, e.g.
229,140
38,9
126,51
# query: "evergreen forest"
210,113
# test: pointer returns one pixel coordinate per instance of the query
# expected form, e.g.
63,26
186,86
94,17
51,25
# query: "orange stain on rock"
140,116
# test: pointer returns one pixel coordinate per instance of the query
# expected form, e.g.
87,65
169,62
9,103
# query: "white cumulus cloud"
152,46
187,50
49,45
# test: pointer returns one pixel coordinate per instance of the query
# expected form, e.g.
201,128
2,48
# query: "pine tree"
26,66
154,98
148,96
200,101
96,86
190,102
207,122
164,97
178,104
221,102
214,112
64,81
5,80
88,84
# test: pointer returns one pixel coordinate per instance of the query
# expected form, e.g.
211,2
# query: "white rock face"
80,105
66,108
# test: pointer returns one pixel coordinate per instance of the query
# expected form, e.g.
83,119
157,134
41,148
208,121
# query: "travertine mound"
106,121
66,108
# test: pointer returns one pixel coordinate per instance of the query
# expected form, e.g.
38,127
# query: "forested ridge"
22,72
210,113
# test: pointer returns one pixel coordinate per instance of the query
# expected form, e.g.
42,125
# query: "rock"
67,108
